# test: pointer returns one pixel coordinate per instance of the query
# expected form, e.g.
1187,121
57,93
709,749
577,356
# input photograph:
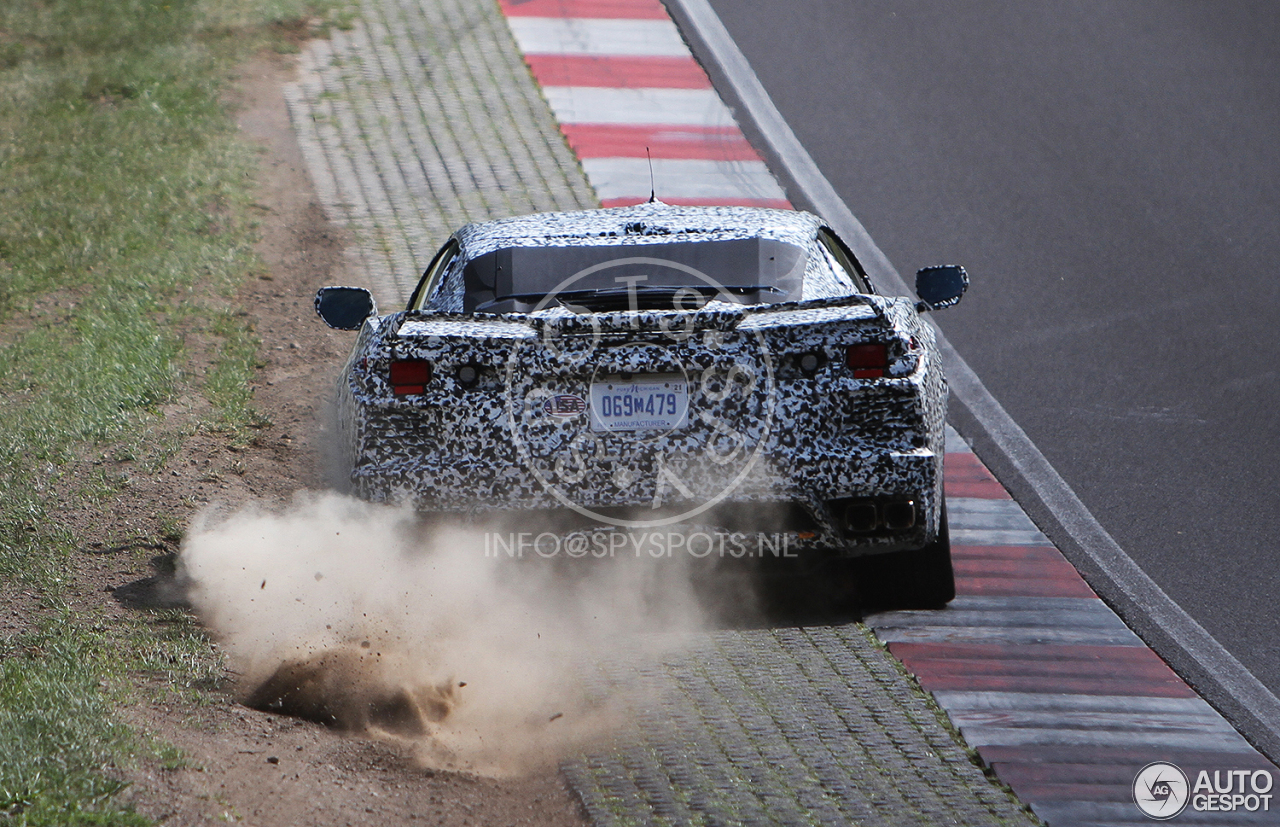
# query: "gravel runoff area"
423,117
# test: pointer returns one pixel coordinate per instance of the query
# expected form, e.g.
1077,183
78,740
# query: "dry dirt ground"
244,765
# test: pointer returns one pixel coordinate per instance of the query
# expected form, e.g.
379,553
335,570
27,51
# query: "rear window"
606,277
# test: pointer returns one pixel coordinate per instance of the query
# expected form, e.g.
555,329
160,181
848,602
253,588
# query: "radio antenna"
653,191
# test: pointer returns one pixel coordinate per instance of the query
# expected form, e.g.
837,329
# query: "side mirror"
940,287
345,308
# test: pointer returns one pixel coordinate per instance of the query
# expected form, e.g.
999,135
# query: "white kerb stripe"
587,36
622,177
997,537
959,702
978,513
673,107
956,443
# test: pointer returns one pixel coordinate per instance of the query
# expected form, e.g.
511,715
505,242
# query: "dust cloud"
366,618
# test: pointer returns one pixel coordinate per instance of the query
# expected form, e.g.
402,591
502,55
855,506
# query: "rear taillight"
868,361
410,376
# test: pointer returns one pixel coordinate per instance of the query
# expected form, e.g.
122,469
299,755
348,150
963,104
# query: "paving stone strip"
785,726
419,119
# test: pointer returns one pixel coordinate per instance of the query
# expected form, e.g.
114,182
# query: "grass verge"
125,228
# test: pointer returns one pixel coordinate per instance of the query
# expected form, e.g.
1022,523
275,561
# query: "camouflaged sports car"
711,381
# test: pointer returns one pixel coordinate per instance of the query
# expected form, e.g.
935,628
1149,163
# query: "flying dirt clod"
351,689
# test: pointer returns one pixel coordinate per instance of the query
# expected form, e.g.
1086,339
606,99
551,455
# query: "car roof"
649,223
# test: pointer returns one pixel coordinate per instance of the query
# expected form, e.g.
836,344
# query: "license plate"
643,402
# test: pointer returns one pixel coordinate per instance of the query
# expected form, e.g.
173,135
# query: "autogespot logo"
657,407
1160,790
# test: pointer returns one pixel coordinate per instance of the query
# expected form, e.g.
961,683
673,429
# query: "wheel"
920,579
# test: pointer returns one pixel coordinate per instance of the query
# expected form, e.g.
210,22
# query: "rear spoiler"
530,325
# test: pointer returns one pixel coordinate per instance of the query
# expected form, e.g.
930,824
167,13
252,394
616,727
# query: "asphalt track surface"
1109,174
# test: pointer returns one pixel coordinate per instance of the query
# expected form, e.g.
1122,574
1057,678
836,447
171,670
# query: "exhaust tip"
899,516
877,515
861,517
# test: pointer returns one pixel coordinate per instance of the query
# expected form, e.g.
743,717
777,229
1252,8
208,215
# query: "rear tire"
920,579
823,595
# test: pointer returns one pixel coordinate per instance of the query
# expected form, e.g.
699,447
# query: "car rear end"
817,423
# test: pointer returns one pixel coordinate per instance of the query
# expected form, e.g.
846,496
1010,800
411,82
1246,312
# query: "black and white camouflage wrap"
763,437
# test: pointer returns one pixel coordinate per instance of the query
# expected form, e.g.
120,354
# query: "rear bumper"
893,509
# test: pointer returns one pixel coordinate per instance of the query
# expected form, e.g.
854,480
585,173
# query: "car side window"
431,277
846,259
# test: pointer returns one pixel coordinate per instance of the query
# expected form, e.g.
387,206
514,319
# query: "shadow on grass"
165,589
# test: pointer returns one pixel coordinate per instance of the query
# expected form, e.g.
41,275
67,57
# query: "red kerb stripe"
1027,569
966,476
1067,773
619,72
1135,756
1015,667
635,9
980,489
1116,655
1021,587
1042,554
1086,791
623,141
1016,571
775,203
1057,684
